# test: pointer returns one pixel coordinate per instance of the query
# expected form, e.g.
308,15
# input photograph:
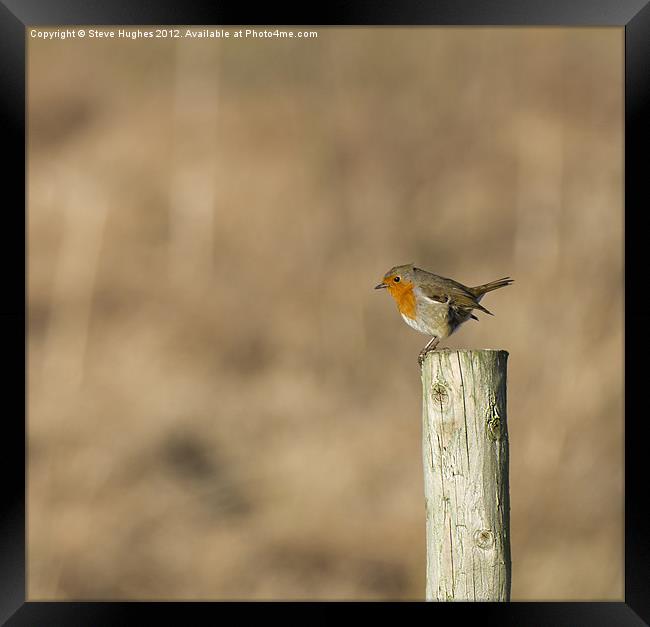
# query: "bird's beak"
381,286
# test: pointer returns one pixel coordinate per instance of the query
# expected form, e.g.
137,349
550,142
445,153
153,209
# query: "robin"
433,304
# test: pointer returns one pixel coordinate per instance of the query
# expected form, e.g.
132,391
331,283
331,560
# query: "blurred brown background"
220,406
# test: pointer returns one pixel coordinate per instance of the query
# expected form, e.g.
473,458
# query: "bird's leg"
431,345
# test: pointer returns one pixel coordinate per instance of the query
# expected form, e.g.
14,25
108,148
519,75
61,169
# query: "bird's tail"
479,290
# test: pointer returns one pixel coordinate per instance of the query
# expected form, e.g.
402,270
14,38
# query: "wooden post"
465,453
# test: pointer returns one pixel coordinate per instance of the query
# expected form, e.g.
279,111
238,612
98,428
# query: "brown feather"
479,290
458,295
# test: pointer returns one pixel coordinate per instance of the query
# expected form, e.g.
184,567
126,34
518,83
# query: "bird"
435,305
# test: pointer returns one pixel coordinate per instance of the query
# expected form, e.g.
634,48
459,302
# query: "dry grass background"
220,406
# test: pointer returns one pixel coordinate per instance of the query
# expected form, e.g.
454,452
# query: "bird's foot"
430,347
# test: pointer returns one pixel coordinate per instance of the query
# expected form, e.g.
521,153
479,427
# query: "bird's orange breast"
404,297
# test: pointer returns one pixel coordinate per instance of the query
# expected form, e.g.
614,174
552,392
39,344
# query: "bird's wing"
434,292
456,294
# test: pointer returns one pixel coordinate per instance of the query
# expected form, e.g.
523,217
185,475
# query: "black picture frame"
16,15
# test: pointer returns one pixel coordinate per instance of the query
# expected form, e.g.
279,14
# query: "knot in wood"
439,393
484,538
493,423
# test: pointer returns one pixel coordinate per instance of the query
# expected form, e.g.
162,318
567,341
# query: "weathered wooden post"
465,453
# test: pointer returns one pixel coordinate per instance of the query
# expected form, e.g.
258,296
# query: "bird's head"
398,279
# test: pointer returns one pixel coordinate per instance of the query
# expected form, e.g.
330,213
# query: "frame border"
17,15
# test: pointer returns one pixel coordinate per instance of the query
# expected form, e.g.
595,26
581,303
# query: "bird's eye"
396,279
